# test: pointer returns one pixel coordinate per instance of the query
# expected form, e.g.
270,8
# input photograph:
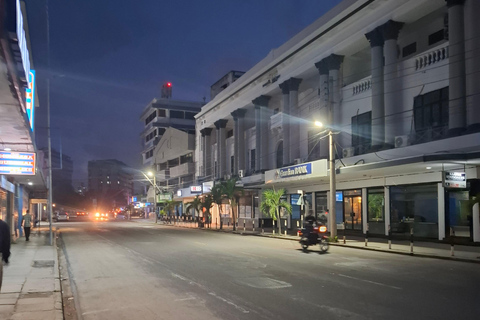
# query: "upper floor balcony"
182,170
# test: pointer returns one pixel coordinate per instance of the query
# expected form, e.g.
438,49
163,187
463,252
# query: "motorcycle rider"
309,228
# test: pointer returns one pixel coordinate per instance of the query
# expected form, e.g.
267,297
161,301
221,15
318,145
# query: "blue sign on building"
294,171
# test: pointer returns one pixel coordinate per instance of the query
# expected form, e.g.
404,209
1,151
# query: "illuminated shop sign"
454,179
17,163
179,193
196,189
207,186
22,41
294,171
30,97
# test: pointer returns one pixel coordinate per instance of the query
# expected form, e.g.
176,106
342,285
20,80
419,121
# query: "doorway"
352,213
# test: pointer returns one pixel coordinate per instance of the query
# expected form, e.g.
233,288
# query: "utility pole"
333,188
155,193
50,207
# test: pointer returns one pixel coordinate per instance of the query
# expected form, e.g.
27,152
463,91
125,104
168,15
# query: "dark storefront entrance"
352,209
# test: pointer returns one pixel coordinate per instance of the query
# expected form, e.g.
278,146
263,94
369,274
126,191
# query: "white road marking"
372,282
200,243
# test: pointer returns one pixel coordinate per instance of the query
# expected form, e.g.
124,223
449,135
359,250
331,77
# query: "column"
293,85
261,129
207,152
324,117
392,93
334,62
386,205
456,68
239,136
441,211
472,64
286,122
378,113
221,152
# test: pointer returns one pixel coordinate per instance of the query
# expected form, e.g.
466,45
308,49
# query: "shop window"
375,205
414,206
409,49
295,207
362,132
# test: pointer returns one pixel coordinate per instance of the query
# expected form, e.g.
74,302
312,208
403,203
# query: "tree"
207,204
217,197
195,204
232,193
271,204
169,206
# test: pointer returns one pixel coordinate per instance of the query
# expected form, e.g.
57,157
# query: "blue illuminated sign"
22,41
339,196
294,171
30,97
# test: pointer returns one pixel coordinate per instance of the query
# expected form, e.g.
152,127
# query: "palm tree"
217,197
232,193
207,204
169,206
195,204
271,204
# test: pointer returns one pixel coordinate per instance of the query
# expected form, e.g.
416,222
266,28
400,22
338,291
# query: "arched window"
280,154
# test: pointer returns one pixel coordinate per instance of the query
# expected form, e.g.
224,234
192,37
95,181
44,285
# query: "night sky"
109,58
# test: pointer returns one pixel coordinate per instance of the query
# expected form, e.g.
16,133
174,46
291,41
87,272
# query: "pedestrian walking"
27,223
4,247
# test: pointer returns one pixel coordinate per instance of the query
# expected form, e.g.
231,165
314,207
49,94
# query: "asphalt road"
126,270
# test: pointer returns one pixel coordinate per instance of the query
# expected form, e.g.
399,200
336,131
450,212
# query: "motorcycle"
313,236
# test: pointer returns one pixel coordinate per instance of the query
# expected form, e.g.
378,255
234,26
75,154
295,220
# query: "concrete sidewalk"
31,284
420,248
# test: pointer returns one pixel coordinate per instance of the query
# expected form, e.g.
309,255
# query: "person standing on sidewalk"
27,223
4,246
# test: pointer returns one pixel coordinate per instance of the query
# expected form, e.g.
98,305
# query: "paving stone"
35,315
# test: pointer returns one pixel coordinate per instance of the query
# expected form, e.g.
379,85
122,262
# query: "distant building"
224,82
109,182
161,114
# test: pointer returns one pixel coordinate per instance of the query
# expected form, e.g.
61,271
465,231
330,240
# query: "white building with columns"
398,82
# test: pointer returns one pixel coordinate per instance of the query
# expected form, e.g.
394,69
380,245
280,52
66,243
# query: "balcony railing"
428,58
182,170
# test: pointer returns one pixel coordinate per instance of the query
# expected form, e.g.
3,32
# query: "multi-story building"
110,183
161,114
397,84
22,183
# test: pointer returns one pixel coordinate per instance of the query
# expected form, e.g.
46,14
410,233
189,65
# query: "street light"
333,188
154,184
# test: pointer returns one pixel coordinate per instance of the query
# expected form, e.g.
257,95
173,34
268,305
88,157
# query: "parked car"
61,216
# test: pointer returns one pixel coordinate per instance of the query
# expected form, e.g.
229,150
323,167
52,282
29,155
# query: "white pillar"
261,128
378,113
456,67
393,102
476,223
441,211
472,64
387,208
322,67
286,122
207,152
364,209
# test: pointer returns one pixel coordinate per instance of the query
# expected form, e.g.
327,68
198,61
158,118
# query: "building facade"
397,84
224,82
22,182
110,183
161,114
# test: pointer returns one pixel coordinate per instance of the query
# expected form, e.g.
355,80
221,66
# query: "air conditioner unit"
241,173
402,141
297,161
348,152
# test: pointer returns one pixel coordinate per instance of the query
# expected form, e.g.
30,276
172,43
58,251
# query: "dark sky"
108,59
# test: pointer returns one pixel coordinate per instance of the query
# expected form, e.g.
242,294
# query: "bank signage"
293,171
302,171
17,163
196,189
454,179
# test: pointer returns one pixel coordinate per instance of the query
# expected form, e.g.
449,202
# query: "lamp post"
154,194
333,187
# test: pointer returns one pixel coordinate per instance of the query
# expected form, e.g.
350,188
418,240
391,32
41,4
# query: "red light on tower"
167,90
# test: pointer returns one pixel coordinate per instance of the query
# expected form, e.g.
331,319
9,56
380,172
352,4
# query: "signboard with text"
17,163
196,189
457,180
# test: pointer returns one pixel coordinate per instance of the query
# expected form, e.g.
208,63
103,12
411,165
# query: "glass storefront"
376,210
3,205
414,206
352,201
321,205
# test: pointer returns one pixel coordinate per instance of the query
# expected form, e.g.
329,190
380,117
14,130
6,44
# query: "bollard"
285,228
389,238
452,242
411,240
344,238
298,224
253,221
243,225
261,226
366,236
